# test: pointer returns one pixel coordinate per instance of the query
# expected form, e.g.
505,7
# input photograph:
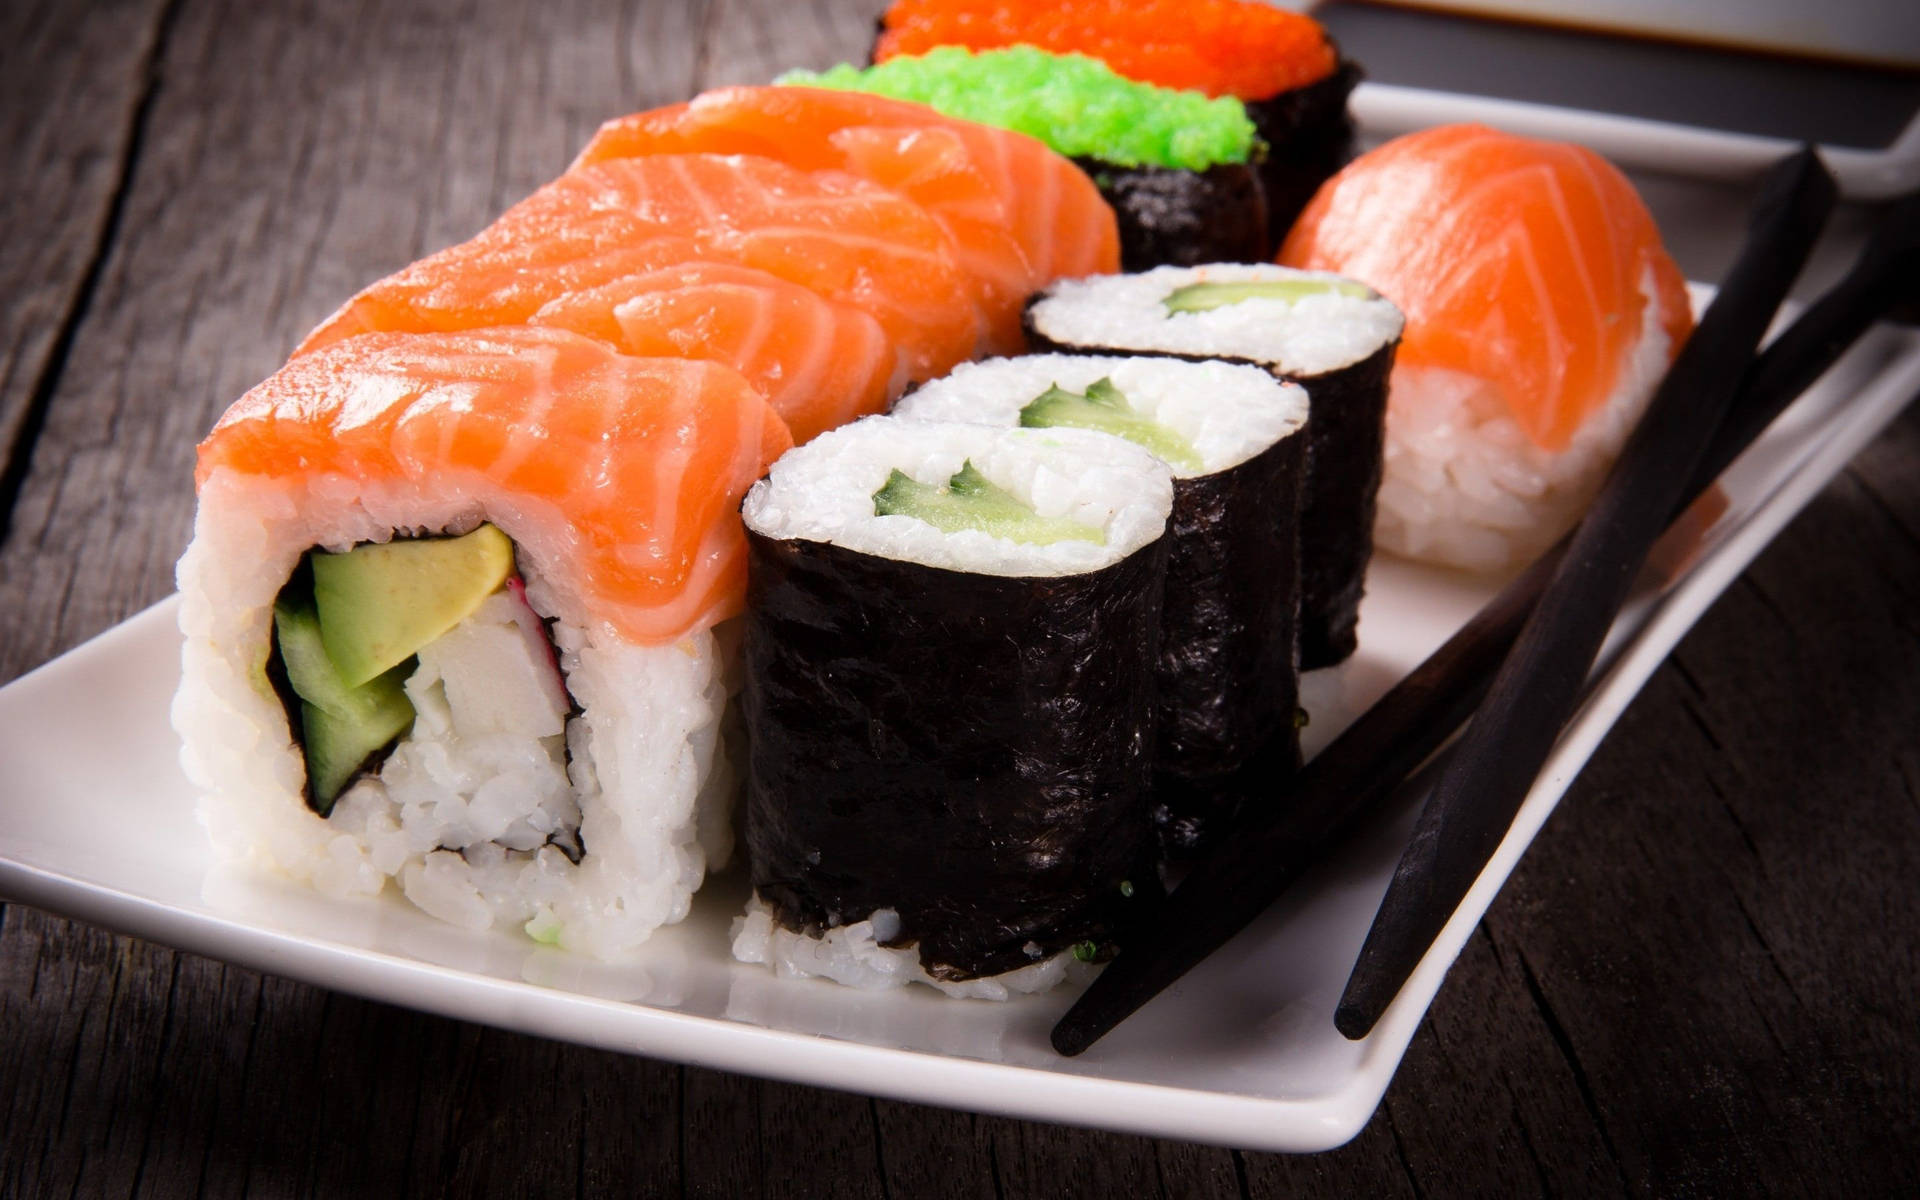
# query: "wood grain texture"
1697,982
73,86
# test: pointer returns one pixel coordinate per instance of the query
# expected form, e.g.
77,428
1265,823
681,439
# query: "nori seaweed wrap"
1228,675
955,727
1309,137
1333,336
1171,217
1229,663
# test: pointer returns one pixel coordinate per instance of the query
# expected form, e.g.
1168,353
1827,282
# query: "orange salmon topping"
844,238
1020,216
819,364
1220,47
1523,263
645,461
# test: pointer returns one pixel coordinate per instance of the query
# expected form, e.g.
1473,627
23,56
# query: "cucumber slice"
379,603
343,729
338,749
971,501
1105,408
1204,297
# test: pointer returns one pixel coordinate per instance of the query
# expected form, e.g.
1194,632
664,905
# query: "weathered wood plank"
752,41
1717,907
98,1006
334,145
73,80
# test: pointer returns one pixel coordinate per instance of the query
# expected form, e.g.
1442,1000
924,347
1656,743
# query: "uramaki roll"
451,617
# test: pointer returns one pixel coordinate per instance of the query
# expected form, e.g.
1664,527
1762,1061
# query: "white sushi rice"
823,492
852,956
1309,336
1228,412
1464,486
468,816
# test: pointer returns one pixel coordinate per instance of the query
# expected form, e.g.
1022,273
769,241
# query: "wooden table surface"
1701,980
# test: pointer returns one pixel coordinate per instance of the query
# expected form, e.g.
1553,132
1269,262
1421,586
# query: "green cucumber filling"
1077,105
347,628
1104,407
970,500
1204,297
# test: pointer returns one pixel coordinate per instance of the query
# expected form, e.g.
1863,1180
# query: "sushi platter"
1242,1052
961,578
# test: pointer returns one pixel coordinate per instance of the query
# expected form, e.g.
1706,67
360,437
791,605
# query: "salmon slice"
1020,215
844,238
642,461
1524,263
819,364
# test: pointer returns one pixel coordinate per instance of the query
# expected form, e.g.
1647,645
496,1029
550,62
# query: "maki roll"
1281,65
452,616
1177,167
1228,674
1330,334
949,651
1513,392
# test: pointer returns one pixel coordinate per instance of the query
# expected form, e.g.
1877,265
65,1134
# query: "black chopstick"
1491,769
1349,780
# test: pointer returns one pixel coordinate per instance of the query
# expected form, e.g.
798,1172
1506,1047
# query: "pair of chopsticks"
1354,776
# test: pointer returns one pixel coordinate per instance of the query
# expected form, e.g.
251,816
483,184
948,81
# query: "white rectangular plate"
96,821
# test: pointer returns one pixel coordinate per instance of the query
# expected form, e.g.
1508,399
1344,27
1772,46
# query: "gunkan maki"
949,662
1178,168
1280,64
1228,675
1332,335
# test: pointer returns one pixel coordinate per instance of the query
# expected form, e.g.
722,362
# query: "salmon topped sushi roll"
1542,311
845,239
450,620
820,363
1019,214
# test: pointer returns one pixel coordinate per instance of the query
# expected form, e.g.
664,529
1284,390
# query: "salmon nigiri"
1019,214
1541,307
848,240
449,618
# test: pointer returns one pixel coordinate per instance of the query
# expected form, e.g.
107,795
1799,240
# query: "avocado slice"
343,729
1104,407
380,602
1203,297
971,501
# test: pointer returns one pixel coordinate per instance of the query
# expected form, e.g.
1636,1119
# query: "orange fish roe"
1220,47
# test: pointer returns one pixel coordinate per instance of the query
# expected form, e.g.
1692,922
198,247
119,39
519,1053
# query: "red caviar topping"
1220,47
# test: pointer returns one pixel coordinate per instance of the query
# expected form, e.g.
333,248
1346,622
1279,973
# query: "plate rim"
1694,151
